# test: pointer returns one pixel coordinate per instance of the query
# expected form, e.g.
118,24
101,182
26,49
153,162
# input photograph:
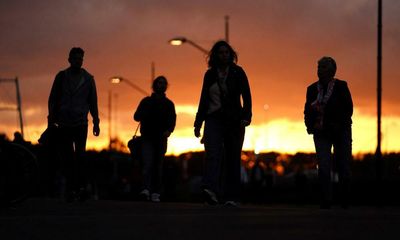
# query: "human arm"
93,108
54,100
171,119
202,108
309,111
247,101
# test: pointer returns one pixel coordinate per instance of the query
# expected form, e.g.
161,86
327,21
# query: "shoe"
210,197
144,195
231,204
155,197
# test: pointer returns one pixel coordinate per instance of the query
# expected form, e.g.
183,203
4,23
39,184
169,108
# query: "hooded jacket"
69,105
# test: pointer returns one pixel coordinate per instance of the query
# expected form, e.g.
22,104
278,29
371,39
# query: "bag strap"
137,128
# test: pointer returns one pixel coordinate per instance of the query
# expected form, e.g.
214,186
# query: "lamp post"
227,28
378,153
181,40
119,79
18,108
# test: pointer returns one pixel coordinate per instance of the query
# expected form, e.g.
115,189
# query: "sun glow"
280,135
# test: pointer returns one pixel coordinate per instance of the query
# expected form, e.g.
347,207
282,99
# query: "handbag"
49,136
135,145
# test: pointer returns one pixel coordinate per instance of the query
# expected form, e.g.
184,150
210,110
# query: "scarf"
321,101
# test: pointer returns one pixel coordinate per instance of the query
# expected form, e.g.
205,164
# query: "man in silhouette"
327,114
73,95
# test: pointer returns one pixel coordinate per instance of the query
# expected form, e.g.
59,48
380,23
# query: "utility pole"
227,28
153,72
19,103
109,120
378,153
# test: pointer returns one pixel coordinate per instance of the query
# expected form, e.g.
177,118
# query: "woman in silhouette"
225,84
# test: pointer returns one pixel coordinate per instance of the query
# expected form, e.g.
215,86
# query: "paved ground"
53,219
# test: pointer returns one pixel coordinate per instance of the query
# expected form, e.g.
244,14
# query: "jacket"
156,115
69,105
238,87
338,110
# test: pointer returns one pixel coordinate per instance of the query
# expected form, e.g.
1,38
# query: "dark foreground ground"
56,220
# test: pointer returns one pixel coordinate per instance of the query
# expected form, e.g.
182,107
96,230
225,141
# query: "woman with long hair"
225,88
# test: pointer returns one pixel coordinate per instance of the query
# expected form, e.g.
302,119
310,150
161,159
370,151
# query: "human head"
221,53
76,57
326,68
160,84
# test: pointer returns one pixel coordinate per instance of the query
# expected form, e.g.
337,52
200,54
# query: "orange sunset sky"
278,44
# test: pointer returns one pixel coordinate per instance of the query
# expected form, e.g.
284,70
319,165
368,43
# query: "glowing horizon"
280,135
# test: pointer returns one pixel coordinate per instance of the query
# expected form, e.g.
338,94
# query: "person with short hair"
73,95
327,115
157,118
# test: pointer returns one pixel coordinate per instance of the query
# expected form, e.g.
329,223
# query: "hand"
244,123
166,134
96,130
197,132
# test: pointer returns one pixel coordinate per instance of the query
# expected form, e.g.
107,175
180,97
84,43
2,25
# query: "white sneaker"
232,204
210,197
144,195
155,197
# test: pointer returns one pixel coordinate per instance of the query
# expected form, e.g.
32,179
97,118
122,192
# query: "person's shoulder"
340,82
86,74
237,68
146,99
61,73
209,71
169,101
313,85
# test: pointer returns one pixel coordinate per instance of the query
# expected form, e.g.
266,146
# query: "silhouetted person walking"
73,95
157,117
327,114
225,84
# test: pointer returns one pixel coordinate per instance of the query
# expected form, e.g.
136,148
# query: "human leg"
233,145
160,148
343,155
323,146
213,144
147,165
81,162
65,152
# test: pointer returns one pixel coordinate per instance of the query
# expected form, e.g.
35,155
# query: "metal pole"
109,120
205,51
378,154
227,28
139,89
153,72
19,106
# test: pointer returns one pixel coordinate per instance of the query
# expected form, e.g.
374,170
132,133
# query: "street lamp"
19,108
119,79
181,40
